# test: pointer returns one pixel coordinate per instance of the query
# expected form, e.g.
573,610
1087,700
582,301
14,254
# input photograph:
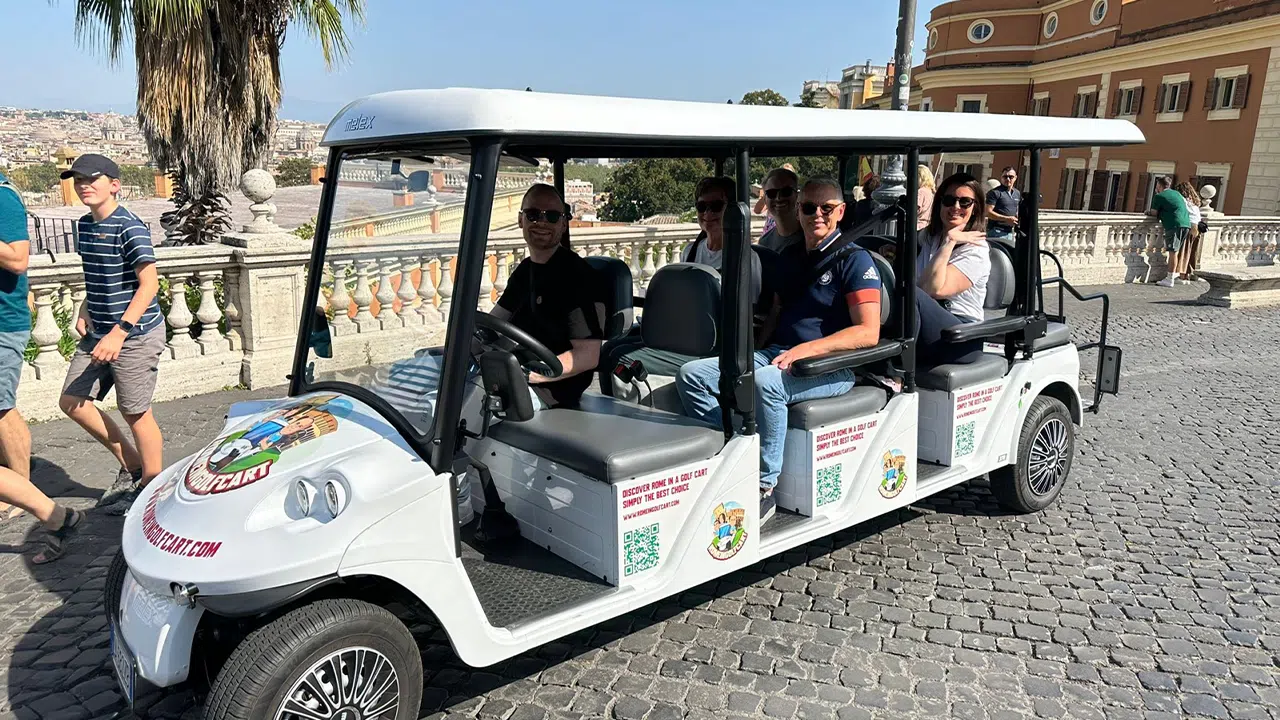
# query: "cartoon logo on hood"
246,456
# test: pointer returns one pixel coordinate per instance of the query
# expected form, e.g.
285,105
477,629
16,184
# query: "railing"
59,235
231,313
443,218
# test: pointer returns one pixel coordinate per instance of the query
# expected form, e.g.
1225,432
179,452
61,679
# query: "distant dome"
65,153
112,123
305,134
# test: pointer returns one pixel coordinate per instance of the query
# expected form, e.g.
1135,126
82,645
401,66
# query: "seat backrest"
887,282
682,310
615,281
1000,284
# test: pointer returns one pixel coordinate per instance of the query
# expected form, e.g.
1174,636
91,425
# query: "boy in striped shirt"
122,331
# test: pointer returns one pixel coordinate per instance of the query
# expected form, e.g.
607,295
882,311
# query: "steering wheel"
532,354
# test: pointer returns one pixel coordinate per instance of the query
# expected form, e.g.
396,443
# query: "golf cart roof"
557,125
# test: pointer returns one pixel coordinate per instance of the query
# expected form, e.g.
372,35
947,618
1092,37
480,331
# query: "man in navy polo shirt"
122,331
837,310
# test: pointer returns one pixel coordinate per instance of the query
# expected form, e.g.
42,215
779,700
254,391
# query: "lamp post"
893,181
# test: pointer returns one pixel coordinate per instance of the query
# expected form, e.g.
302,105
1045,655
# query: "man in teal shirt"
1171,208
15,330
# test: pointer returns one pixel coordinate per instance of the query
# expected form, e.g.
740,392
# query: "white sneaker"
1166,282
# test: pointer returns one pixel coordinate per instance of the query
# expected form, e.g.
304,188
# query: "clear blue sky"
661,48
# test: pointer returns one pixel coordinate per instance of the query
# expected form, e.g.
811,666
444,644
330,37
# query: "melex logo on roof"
360,122
245,457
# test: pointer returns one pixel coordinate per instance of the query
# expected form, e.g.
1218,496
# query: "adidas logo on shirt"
870,274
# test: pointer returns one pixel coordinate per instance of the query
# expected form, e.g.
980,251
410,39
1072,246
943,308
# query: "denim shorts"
12,347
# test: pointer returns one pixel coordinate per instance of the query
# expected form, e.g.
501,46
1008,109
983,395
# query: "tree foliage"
209,77
34,178
765,97
809,99
293,172
652,186
139,176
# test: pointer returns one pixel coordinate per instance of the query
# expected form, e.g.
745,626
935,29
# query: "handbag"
1203,227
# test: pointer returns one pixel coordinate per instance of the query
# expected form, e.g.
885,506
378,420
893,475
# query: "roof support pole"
894,178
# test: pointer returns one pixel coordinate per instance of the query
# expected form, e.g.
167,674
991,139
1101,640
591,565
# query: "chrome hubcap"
350,684
1048,462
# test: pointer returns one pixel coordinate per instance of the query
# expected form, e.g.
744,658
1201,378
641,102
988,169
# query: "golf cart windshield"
388,272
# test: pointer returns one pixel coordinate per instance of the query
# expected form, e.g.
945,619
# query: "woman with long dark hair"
952,267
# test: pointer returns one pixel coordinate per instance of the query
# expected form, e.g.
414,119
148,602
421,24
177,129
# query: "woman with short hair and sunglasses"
952,267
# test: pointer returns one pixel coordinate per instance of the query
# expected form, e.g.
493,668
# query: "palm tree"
209,85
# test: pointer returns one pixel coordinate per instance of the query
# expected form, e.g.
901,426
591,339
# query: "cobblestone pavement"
1150,590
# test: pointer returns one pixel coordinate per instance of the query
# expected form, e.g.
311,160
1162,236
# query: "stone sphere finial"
1208,192
258,185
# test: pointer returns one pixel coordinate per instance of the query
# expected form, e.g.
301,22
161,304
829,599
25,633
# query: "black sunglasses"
810,208
714,206
782,192
534,215
952,201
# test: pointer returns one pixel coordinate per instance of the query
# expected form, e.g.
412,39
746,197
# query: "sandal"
10,512
55,540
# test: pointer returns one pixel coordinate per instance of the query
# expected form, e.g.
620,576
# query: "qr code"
964,438
640,549
829,484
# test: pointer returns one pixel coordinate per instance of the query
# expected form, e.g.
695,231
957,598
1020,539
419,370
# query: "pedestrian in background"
1003,205
16,491
1191,259
924,196
122,331
1171,208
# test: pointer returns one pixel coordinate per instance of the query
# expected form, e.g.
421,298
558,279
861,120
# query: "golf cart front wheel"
338,659
1045,449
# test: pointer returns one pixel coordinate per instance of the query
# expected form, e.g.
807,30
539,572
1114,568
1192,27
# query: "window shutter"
1115,103
1211,93
1140,195
1184,96
1137,100
1242,91
1122,191
1047,101
1164,89
1077,191
1062,189
1098,196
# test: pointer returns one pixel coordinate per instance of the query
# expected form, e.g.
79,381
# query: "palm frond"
323,20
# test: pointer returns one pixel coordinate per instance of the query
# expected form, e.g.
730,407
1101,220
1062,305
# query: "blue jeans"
699,382
999,233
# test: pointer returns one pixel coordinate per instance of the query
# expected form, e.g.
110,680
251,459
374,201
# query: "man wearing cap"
122,331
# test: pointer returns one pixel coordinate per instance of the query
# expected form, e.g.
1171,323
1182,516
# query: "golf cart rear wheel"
1045,448
340,659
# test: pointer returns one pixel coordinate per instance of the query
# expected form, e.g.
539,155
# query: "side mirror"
506,386
320,340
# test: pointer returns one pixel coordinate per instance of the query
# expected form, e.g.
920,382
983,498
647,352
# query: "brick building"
1201,78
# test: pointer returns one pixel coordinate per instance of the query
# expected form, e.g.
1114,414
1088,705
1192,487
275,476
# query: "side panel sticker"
729,531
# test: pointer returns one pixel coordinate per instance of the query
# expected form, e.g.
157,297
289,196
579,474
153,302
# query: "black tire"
114,586
1049,433
254,682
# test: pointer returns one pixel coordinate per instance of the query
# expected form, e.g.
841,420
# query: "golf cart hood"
250,509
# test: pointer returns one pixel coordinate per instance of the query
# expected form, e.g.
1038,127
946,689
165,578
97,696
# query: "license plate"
122,659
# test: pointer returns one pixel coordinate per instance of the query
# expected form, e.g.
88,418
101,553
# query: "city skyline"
78,78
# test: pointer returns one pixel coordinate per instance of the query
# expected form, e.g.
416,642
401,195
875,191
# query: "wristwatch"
126,326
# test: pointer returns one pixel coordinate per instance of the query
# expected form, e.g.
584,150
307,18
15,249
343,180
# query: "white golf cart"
267,562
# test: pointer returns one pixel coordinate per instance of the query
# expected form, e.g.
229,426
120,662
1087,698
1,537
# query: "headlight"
305,495
335,497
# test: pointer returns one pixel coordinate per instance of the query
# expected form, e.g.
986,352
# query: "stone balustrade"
232,310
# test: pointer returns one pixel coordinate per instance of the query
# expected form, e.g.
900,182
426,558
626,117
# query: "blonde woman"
924,196
1191,250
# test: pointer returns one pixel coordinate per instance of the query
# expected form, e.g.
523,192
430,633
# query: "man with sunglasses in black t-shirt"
556,297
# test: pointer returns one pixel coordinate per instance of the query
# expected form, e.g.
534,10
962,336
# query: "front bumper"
158,632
